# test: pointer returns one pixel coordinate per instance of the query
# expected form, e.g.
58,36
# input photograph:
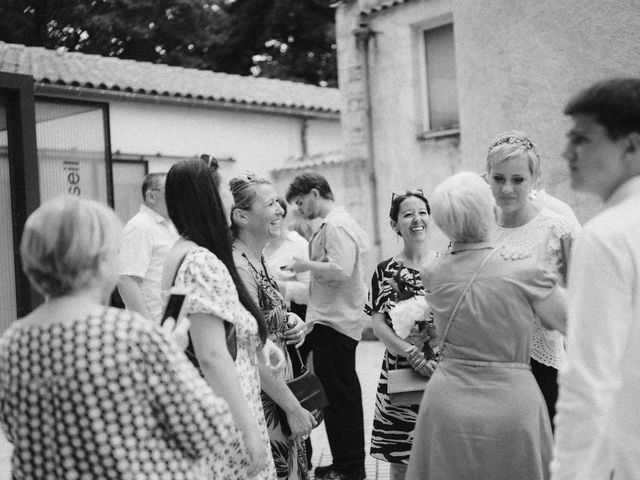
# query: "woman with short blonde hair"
513,168
482,402
89,391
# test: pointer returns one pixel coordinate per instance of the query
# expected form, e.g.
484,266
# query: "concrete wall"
403,159
518,66
258,142
518,62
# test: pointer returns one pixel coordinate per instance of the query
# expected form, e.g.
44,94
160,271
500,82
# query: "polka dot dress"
106,397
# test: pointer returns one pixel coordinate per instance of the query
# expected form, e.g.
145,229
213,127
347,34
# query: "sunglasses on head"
212,162
417,191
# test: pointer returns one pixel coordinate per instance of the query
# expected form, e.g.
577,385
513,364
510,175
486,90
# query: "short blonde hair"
463,208
514,144
65,240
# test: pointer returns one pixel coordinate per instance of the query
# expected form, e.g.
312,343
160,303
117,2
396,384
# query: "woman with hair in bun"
256,218
395,280
89,391
204,266
513,167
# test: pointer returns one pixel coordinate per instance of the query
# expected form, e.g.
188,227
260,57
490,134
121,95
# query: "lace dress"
393,425
289,455
212,291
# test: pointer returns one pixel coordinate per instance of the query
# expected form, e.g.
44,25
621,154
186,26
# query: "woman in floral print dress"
205,268
256,218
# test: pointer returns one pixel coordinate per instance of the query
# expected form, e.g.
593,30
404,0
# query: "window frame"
422,78
18,90
104,106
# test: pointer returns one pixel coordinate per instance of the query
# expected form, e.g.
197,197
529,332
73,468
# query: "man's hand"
298,265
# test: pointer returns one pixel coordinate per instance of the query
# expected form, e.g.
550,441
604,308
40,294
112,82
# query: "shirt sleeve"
210,286
135,253
341,253
379,292
297,288
536,280
247,277
598,331
561,227
196,419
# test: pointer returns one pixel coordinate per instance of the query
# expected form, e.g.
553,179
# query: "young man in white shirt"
598,410
148,237
337,294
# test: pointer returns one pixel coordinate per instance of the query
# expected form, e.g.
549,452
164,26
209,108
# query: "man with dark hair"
337,294
148,236
598,419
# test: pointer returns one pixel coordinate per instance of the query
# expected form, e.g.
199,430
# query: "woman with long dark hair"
203,260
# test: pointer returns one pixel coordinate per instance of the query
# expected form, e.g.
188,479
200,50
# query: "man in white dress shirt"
598,410
148,237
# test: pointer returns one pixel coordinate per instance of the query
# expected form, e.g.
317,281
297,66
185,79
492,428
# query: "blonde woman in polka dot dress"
88,391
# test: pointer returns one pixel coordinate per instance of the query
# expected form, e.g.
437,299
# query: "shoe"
321,472
342,476
333,475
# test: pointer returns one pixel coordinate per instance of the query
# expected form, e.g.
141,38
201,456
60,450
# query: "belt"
486,363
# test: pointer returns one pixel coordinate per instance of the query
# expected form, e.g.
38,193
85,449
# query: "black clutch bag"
307,388
309,392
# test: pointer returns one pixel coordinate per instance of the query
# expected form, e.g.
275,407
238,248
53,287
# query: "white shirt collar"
627,189
153,214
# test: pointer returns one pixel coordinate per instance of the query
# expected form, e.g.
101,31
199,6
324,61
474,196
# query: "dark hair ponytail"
195,208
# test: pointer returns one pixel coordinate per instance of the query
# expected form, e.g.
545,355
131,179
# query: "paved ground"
368,360
369,357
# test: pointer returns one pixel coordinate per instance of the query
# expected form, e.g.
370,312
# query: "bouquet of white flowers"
407,313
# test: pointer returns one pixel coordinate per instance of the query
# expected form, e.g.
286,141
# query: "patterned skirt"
392,434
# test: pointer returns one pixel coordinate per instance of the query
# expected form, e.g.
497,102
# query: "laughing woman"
256,218
395,279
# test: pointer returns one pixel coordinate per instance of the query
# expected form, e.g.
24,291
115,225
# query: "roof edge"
96,94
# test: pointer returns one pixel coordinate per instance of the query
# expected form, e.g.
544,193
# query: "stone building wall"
517,64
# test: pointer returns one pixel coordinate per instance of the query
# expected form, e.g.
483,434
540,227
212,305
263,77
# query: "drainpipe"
363,35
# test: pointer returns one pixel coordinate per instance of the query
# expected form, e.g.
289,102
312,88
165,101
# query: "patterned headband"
515,140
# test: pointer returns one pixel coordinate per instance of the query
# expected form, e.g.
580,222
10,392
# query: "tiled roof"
368,7
312,162
113,74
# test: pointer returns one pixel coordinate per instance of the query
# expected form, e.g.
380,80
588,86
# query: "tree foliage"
292,39
286,39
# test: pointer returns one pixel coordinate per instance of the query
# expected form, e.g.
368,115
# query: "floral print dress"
289,455
212,291
393,425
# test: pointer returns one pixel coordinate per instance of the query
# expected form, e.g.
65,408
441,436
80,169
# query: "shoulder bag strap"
459,302
175,274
